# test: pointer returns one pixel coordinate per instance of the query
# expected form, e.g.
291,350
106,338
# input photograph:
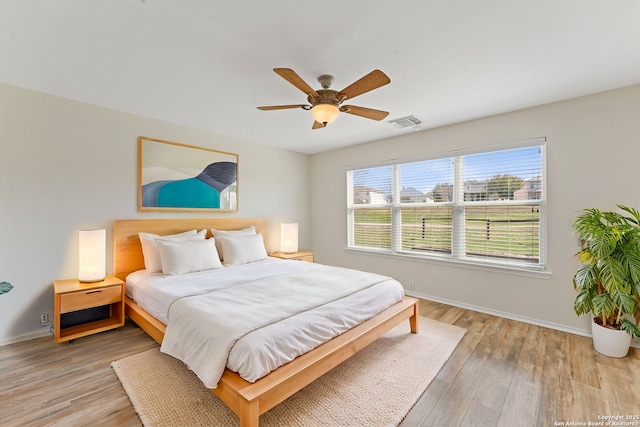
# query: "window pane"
503,175
427,181
427,229
503,232
372,227
372,185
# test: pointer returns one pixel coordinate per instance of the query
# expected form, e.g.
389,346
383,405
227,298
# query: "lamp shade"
325,113
92,253
289,238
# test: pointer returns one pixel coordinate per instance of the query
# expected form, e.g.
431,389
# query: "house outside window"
479,207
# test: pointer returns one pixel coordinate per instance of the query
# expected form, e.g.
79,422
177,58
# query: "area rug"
376,387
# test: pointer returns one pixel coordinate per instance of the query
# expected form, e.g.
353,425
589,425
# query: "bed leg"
414,319
249,414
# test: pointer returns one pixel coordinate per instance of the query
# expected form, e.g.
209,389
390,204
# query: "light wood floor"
502,373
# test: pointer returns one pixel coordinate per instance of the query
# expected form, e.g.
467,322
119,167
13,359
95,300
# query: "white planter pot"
610,342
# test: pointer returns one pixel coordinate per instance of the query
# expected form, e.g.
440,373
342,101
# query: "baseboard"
26,337
556,326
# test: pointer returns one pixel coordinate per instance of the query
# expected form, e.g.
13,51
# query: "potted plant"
608,280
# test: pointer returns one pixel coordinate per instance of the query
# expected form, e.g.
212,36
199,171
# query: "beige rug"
376,387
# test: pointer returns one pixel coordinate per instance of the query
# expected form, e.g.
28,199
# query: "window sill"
496,268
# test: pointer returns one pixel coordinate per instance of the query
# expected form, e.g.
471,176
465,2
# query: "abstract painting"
180,177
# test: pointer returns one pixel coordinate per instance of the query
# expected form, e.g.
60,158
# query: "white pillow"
243,232
152,262
242,249
188,256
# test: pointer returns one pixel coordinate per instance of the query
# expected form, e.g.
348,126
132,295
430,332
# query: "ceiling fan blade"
281,107
371,81
318,125
368,113
291,76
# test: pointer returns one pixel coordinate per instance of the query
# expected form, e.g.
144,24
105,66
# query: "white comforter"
257,317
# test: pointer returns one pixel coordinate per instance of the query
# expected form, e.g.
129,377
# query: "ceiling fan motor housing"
325,96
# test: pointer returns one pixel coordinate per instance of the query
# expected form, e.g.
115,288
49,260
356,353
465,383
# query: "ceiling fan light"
325,113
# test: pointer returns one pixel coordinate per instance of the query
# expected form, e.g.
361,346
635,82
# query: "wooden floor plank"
521,396
68,384
503,372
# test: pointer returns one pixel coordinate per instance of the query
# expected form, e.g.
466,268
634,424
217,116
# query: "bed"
250,399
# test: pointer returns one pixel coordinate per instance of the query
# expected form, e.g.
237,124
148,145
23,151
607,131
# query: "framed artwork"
180,177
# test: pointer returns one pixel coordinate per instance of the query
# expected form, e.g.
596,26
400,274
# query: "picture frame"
180,177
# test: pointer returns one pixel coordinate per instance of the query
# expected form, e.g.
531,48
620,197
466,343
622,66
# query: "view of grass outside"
372,228
502,232
427,229
511,232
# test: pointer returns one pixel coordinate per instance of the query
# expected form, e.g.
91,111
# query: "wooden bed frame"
250,400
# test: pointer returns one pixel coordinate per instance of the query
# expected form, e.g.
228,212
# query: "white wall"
66,166
593,153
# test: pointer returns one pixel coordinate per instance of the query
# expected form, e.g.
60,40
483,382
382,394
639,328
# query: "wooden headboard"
127,251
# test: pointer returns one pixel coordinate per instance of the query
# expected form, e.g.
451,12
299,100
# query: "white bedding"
267,312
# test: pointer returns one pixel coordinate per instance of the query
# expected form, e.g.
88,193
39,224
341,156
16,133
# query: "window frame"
459,208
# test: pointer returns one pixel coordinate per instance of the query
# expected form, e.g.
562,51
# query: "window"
481,207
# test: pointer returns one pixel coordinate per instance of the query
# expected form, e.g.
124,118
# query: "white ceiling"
208,64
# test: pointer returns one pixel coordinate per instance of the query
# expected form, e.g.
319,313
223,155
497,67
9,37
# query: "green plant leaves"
608,281
586,276
583,303
635,214
5,287
629,257
603,304
630,328
626,302
613,275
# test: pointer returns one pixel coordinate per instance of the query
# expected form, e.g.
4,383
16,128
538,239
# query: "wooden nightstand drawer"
90,298
80,309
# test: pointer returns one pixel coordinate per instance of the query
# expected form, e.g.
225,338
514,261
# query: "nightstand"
81,309
300,255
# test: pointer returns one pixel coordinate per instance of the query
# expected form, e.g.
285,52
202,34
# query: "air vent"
405,122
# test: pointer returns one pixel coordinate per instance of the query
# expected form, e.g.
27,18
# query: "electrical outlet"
44,319
412,285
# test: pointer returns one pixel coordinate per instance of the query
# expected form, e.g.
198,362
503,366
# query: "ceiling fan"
326,104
